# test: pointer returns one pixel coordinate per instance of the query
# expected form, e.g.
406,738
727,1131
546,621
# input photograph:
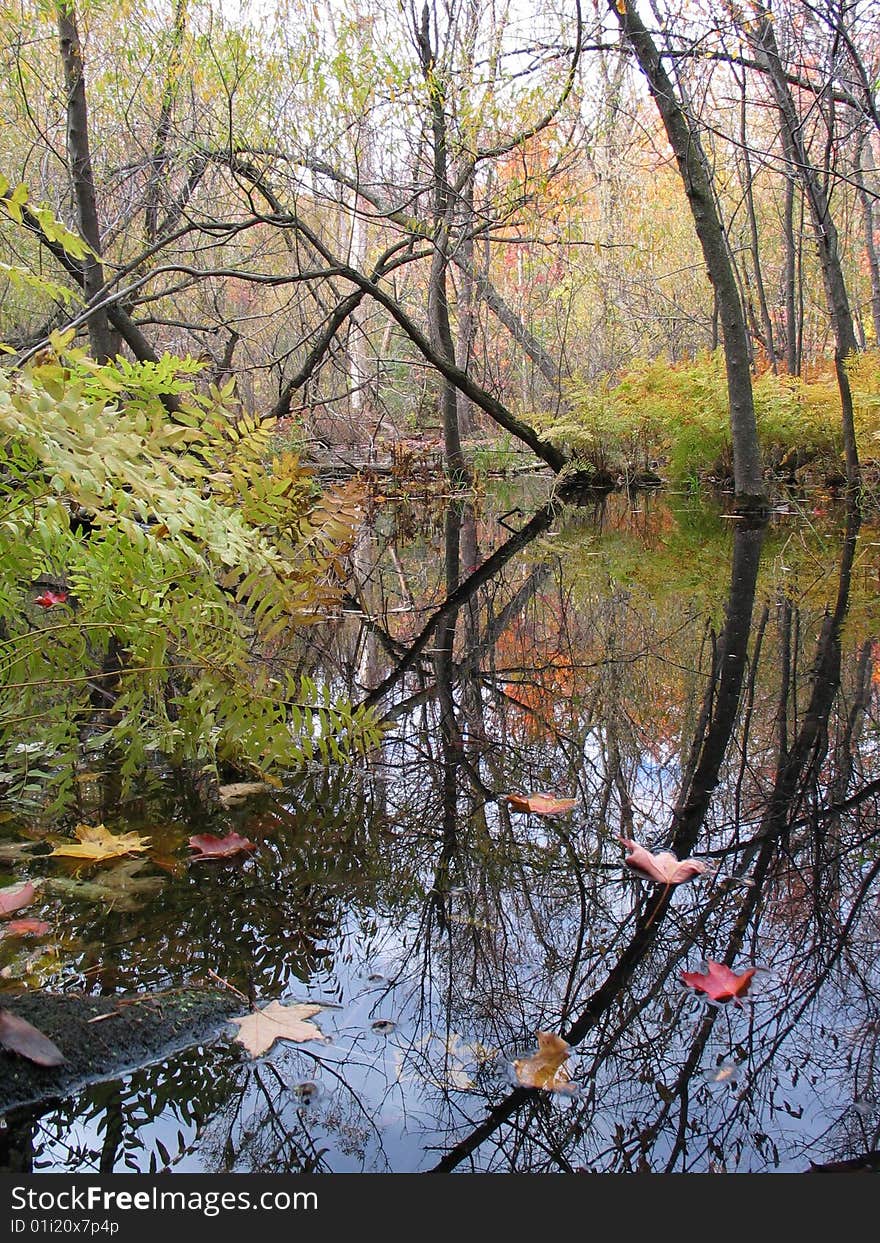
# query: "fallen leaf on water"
259,1031
207,846
718,981
19,1036
25,928
96,842
664,868
540,804
13,899
237,791
546,1068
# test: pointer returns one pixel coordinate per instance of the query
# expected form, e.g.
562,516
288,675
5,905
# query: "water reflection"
697,686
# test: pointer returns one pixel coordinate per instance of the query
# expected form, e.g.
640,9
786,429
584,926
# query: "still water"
685,682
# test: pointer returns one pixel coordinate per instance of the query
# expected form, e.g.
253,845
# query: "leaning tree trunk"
694,169
103,341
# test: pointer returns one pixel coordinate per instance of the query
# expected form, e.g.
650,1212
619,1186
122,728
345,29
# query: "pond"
678,681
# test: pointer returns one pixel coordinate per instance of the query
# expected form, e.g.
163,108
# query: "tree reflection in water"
597,655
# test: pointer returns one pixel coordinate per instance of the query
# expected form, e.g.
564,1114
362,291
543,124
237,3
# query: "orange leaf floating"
546,1068
25,928
14,899
208,846
719,982
540,804
664,868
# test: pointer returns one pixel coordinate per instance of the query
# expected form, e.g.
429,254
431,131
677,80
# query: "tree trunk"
766,322
163,129
439,326
466,318
693,167
763,40
103,341
866,199
791,270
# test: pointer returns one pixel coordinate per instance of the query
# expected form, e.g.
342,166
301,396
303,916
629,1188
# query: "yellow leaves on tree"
97,843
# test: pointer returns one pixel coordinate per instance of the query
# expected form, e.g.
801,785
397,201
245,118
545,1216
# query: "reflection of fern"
197,554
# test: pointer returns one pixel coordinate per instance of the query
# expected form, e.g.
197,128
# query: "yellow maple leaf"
96,842
259,1031
546,1069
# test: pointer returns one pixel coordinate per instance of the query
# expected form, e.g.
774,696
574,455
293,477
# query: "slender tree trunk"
439,325
466,319
766,322
356,346
790,275
693,167
163,129
103,341
866,199
763,40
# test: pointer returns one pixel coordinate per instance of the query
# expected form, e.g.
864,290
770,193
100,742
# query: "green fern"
173,568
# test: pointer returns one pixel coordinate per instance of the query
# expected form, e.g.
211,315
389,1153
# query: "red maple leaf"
664,868
719,982
48,598
210,847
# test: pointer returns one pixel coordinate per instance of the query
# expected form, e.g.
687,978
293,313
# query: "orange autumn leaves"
664,868
718,982
547,1068
541,804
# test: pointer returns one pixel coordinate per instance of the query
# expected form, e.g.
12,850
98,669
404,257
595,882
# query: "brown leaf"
540,804
546,1068
259,1031
14,899
19,1036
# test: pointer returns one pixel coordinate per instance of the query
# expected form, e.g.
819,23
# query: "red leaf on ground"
25,928
210,847
14,899
540,804
48,598
719,982
19,1036
664,868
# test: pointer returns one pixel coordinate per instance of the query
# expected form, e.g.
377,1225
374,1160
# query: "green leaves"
181,556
